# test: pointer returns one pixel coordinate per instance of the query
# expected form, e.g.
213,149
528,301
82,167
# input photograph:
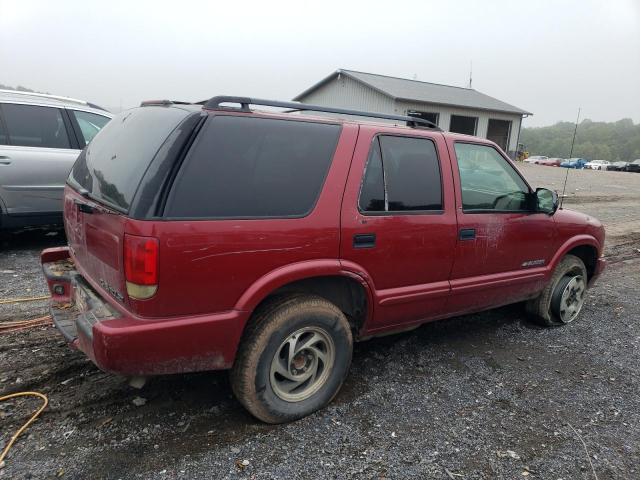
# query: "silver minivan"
40,138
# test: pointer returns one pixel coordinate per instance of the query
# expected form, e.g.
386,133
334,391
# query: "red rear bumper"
119,342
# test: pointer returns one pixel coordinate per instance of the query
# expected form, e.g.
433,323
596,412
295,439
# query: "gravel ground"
482,396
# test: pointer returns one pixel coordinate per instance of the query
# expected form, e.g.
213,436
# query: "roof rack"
149,103
215,103
44,95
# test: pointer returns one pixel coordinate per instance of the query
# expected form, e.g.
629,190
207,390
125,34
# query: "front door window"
488,182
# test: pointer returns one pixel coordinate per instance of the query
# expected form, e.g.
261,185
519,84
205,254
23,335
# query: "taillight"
141,266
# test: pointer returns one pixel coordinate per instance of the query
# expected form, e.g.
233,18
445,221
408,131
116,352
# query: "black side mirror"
546,201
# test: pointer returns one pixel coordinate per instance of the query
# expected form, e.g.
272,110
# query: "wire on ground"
45,402
27,299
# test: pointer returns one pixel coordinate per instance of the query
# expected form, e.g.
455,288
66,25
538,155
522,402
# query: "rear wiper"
84,192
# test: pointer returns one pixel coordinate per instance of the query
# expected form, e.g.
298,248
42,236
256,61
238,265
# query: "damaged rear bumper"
119,342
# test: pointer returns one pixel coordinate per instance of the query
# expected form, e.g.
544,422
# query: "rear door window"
35,126
112,165
402,174
90,124
244,167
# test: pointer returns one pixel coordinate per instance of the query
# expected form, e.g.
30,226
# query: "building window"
429,116
498,131
461,124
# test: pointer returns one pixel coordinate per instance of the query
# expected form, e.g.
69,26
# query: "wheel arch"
585,247
325,278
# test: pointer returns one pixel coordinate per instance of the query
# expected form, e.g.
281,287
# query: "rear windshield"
112,165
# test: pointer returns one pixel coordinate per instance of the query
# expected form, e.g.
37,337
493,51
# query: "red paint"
211,275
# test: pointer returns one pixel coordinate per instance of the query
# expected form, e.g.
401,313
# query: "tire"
568,279
264,356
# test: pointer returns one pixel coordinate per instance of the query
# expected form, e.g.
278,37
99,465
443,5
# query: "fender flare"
282,276
570,244
261,288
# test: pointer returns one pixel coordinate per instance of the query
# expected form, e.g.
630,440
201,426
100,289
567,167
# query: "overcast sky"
547,57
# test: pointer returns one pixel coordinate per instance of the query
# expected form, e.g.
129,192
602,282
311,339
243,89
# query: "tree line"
613,141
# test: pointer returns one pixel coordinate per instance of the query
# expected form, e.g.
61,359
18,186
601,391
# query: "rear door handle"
5,160
467,234
364,240
83,207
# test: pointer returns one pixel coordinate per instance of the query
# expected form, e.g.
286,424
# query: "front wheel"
293,358
562,299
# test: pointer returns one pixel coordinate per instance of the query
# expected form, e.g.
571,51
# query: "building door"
498,131
462,124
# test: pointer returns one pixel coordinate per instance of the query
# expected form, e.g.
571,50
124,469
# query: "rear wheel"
562,299
293,359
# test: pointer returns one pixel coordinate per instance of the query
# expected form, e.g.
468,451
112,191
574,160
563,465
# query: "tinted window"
251,167
372,197
112,165
32,126
411,177
488,181
90,124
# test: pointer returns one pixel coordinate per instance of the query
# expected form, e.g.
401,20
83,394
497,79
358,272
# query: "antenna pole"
573,141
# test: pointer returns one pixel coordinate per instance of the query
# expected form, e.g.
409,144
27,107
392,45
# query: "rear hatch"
102,186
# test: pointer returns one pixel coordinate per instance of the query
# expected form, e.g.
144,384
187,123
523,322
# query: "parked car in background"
618,166
577,163
40,139
634,166
215,236
551,162
597,164
535,159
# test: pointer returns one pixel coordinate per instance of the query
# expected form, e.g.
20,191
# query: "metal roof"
417,91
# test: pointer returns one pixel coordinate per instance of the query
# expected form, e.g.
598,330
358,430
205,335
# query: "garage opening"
498,131
462,124
429,116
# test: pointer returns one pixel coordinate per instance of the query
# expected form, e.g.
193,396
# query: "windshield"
110,168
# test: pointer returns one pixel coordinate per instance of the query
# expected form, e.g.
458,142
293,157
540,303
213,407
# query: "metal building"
455,109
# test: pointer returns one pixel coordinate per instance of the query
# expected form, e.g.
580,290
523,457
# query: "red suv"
218,237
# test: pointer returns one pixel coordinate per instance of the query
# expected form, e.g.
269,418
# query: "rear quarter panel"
208,265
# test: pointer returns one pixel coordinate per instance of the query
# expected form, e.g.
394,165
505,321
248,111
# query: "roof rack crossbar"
215,103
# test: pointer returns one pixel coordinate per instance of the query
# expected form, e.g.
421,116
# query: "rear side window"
402,174
34,126
112,165
90,124
243,167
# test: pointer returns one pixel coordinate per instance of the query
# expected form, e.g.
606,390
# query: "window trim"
509,162
180,171
393,213
5,129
